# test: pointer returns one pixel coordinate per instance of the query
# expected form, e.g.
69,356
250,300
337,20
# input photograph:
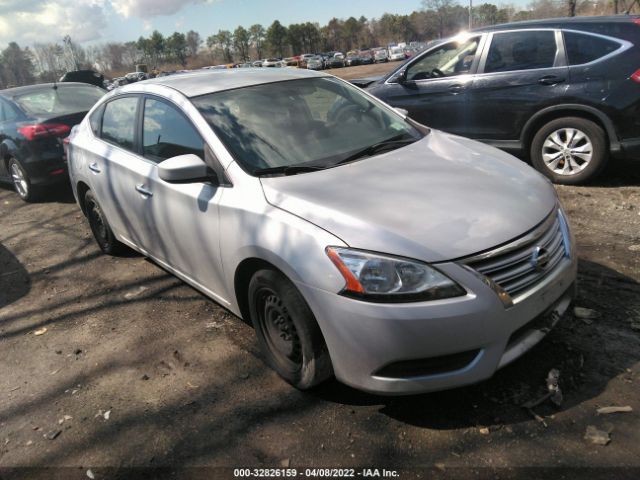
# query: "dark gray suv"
563,92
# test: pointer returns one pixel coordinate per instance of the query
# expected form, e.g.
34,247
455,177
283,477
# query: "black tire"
287,331
594,134
21,181
100,228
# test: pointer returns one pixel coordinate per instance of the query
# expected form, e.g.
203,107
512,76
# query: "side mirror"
184,169
401,77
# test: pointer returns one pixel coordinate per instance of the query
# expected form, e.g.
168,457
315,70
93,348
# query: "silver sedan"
358,242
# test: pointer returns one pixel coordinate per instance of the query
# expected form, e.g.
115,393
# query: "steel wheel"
100,228
97,223
279,331
567,151
20,181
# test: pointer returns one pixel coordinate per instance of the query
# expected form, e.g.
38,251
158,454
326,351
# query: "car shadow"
588,354
60,193
618,173
15,282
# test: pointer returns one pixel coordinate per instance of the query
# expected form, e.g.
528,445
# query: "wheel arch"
7,149
548,114
82,189
242,276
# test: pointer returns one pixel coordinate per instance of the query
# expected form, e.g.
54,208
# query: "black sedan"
34,120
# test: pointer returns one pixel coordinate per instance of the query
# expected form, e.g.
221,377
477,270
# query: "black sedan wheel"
287,331
21,181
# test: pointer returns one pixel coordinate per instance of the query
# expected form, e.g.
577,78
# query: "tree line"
436,19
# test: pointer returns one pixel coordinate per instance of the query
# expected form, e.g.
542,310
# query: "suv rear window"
582,48
525,50
59,100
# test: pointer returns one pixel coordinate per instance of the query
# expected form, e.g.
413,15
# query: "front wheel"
287,330
570,150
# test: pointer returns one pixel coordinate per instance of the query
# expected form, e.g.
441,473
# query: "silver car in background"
359,243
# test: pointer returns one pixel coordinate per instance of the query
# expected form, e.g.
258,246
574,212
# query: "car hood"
441,198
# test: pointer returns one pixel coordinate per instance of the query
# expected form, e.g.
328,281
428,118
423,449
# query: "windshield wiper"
377,147
287,169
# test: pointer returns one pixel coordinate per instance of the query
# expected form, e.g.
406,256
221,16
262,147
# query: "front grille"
513,266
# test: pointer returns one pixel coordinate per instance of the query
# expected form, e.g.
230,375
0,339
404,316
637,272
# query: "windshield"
307,122
62,100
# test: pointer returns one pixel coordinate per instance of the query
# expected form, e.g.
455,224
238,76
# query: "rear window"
61,100
582,48
524,50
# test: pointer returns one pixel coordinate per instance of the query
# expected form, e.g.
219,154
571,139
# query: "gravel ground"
136,369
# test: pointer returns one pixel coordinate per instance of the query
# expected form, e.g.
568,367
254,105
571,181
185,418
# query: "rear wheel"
569,150
287,330
100,227
22,182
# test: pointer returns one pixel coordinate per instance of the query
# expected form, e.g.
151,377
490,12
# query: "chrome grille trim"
511,267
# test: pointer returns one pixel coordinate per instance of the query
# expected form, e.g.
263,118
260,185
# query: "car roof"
548,22
12,92
210,81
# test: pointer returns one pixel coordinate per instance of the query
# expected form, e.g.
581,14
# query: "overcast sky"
31,21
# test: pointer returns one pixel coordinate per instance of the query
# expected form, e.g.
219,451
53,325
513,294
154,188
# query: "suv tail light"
635,76
41,130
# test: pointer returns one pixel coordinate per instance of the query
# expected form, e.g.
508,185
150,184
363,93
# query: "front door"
433,88
180,220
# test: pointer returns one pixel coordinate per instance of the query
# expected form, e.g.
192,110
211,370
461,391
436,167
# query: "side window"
96,120
583,48
525,50
7,112
453,58
167,133
119,121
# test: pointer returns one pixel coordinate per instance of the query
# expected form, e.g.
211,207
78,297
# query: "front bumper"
363,338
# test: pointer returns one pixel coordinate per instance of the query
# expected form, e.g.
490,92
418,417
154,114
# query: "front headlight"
384,278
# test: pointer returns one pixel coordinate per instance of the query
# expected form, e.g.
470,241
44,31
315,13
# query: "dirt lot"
137,369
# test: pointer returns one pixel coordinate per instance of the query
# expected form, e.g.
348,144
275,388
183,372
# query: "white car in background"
380,55
396,53
272,62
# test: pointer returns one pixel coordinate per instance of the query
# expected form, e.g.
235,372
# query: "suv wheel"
569,150
287,330
100,227
21,181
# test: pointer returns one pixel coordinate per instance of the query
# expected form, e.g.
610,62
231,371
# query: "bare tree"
193,43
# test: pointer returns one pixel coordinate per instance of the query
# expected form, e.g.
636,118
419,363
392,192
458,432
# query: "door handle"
456,88
140,188
94,167
550,80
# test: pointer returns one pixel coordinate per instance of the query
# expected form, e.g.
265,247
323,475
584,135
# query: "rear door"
520,72
116,170
9,116
3,167
434,87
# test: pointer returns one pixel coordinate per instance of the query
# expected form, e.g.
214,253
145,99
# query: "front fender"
253,228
